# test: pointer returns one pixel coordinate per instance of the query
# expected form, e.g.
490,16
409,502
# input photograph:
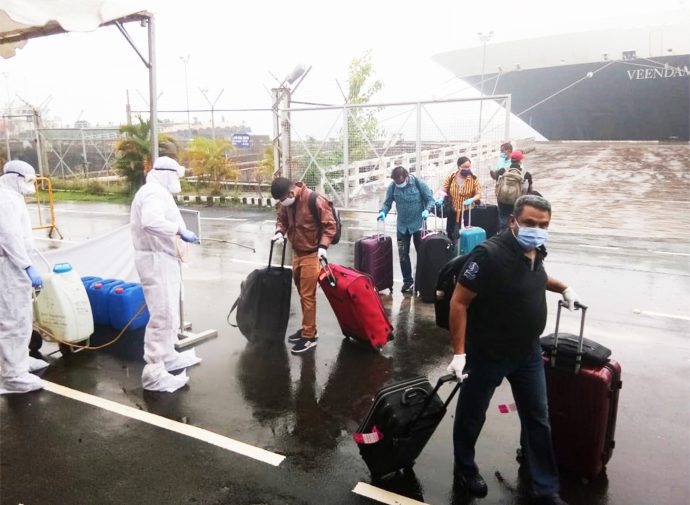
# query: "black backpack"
317,217
447,279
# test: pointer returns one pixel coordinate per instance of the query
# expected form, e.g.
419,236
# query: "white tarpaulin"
109,256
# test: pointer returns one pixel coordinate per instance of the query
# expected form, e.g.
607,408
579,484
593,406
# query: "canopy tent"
21,20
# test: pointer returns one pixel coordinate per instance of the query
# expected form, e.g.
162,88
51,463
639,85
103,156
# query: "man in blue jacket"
413,199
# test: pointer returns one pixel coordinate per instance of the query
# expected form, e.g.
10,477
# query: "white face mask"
288,201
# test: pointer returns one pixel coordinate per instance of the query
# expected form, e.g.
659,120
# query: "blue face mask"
531,238
402,185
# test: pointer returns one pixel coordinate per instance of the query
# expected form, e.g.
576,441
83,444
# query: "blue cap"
62,268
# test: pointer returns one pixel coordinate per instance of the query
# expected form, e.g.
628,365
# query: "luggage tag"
368,438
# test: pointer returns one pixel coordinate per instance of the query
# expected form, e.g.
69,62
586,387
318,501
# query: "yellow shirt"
460,191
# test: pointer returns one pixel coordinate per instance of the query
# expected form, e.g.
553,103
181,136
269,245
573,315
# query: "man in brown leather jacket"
310,240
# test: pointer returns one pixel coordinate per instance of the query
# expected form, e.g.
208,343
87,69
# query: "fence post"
506,134
418,162
346,159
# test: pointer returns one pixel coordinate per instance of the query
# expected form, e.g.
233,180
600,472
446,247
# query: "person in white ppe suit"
156,223
18,277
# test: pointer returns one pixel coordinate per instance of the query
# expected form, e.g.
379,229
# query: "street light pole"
484,39
185,61
213,105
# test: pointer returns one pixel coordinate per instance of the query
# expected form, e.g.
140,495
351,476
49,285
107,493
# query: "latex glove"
457,366
425,214
322,254
278,238
570,297
36,280
468,201
381,216
440,201
188,236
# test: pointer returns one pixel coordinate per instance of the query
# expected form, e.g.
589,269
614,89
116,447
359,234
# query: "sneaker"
295,337
474,484
304,345
408,287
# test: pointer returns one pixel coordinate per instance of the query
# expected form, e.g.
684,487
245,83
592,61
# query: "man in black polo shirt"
497,313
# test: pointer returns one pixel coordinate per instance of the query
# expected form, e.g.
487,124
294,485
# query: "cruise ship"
615,84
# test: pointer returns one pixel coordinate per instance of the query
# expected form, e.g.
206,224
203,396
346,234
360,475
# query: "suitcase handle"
330,276
554,352
270,255
381,230
441,381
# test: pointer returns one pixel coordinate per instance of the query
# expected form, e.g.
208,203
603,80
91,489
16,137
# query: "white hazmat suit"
16,244
156,221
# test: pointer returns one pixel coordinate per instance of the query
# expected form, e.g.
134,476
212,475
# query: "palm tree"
133,152
207,157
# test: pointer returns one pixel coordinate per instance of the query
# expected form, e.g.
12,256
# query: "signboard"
241,140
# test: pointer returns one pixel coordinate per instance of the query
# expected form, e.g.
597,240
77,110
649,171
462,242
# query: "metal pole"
276,131
346,159
7,140
419,140
153,93
39,144
506,133
185,60
83,152
285,133
484,39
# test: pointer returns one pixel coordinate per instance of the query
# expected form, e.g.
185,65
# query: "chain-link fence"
349,152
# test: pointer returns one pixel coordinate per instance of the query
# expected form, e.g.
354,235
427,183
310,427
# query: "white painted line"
184,429
222,219
69,211
600,246
383,496
671,253
660,314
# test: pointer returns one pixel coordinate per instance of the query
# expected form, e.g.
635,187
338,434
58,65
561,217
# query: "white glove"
278,238
457,366
322,254
570,297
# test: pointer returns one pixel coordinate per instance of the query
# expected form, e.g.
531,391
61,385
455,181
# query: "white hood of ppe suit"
167,172
19,176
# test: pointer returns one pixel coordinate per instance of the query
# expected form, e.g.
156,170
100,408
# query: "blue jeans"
404,253
526,378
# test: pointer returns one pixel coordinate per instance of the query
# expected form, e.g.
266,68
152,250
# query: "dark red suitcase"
583,406
356,304
374,256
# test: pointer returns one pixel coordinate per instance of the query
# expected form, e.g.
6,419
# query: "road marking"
222,219
383,496
660,314
168,424
671,253
599,246
98,213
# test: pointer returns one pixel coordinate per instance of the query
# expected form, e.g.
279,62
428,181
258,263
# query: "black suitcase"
486,216
400,423
435,251
263,307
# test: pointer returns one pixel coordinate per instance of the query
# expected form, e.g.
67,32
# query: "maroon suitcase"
583,405
374,256
356,304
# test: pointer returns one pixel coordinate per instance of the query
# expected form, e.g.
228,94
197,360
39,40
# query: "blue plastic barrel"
124,301
98,293
90,279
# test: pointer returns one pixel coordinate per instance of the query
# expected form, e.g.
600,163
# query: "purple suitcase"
374,256
583,406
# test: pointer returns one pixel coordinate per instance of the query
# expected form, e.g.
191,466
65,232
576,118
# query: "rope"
48,335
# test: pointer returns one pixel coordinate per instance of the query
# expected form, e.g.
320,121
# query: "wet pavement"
55,450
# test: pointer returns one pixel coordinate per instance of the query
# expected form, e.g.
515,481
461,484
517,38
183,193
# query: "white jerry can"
62,307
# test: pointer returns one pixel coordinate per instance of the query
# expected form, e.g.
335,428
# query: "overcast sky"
233,46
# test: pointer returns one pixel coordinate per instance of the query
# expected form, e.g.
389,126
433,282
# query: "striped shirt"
458,194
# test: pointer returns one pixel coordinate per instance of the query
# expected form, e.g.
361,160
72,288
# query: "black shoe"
295,337
303,345
408,287
551,499
475,484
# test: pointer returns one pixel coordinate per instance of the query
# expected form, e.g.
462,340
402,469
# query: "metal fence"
348,152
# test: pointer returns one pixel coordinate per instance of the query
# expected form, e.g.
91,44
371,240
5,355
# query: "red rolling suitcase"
583,386
374,256
356,304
